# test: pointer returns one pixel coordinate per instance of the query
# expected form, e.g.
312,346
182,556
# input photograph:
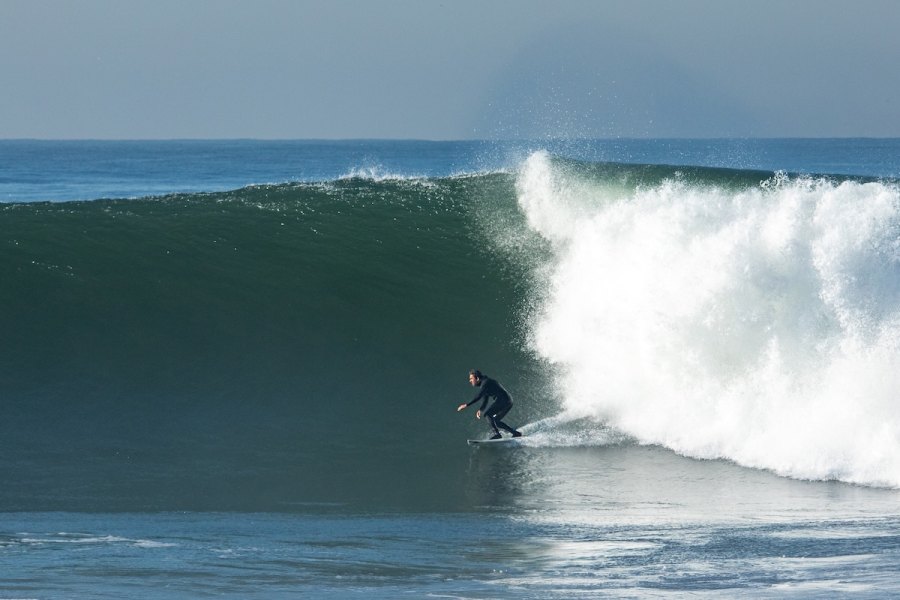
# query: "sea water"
231,368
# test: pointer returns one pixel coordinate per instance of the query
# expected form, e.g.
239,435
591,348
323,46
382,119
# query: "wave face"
165,352
287,345
724,314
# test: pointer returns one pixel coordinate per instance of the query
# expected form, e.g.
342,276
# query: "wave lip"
376,174
755,322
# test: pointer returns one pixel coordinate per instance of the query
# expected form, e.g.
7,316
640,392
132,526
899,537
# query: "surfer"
502,403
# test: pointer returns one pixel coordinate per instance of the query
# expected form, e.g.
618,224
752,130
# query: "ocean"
231,368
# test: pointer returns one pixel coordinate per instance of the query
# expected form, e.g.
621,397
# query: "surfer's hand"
461,407
478,415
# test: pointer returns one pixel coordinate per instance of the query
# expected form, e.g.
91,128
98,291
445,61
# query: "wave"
220,334
186,341
174,275
754,317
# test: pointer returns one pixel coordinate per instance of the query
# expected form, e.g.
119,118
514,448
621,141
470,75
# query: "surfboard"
501,441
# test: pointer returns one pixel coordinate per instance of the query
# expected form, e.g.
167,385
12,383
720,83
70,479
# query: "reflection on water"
627,520
628,484
533,522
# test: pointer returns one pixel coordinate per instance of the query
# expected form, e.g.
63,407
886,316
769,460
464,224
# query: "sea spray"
758,323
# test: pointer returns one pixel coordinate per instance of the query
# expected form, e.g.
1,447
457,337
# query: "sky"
448,69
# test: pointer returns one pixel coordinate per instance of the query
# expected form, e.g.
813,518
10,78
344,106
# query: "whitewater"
758,324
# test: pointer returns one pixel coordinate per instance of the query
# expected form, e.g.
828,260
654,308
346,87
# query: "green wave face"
317,321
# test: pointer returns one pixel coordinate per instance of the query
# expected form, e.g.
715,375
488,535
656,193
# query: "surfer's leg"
496,422
491,415
495,415
493,422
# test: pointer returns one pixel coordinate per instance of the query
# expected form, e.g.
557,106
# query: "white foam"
377,173
76,538
570,430
761,325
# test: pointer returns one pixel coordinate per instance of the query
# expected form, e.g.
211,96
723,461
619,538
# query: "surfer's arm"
482,395
483,404
488,390
473,401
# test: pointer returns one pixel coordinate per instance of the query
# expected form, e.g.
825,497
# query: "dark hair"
476,373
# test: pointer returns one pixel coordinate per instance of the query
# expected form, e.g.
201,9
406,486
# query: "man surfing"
502,403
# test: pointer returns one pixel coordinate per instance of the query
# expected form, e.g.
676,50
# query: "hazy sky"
448,69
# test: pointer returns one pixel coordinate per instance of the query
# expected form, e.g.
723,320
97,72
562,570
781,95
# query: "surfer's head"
475,377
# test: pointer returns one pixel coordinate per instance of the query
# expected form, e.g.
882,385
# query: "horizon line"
437,140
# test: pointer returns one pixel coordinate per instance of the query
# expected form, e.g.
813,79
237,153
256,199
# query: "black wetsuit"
502,403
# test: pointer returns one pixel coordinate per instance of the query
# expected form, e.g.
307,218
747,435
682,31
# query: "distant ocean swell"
151,343
724,314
